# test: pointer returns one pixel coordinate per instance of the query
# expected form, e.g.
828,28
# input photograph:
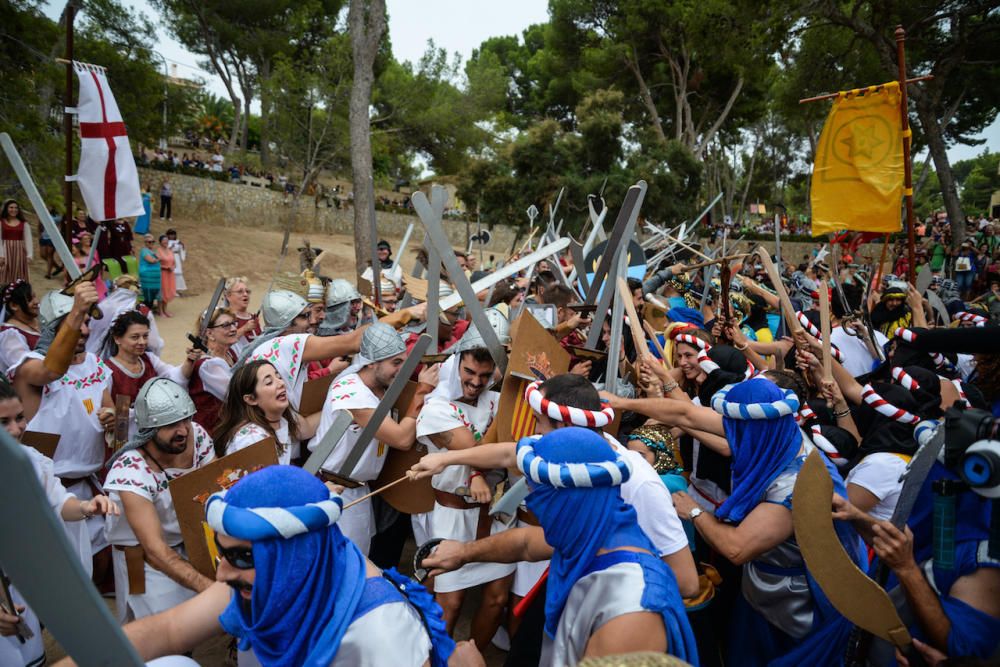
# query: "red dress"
30,337
15,252
125,383
207,406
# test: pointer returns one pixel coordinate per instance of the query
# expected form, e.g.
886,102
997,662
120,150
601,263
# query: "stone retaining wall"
227,204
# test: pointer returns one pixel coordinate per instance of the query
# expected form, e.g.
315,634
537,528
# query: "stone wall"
226,204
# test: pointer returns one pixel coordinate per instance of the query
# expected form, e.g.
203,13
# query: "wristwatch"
695,513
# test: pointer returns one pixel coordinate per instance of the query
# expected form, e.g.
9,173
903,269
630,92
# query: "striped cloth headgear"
817,334
567,414
885,408
679,337
268,523
708,365
570,475
904,378
789,405
826,446
910,336
975,319
804,414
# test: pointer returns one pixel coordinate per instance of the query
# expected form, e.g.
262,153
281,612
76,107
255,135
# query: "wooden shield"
190,492
533,351
46,443
314,395
408,497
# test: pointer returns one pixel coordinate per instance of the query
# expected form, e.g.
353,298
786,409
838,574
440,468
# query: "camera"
972,450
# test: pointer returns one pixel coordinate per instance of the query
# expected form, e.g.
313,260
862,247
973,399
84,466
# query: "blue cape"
761,448
580,521
306,589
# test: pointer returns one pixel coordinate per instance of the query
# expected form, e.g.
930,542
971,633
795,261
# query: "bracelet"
841,415
745,346
667,388
85,513
474,475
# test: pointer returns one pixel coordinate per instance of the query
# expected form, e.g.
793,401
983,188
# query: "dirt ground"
212,253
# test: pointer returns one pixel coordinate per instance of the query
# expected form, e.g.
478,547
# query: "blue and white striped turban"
788,405
613,472
268,523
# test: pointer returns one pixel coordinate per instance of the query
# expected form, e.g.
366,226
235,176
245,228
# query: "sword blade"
318,457
212,305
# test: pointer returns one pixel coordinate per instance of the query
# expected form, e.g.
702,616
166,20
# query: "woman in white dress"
180,255
257,408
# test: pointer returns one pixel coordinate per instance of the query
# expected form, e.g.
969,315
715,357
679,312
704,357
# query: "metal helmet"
380,341
162,402
54,306
500,324
280,307
340,291
470,340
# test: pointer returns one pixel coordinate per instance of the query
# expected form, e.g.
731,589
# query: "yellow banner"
857,179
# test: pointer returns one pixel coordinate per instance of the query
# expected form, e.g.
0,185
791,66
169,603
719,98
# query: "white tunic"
285,354
351,393
594,600
13,349
251,434
439,416
69,408
132,473
879,474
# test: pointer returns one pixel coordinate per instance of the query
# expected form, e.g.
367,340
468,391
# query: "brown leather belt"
135,559
457,502
345,482
527,517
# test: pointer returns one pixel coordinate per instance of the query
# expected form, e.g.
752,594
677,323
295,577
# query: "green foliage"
979,181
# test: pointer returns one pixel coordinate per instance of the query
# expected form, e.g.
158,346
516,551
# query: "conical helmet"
162,402
54,306
281,307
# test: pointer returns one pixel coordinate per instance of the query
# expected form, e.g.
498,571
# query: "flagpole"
68,123
911,238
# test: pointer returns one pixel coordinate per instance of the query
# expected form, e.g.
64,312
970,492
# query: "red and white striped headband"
827,447
690,340
961,392
910,336
804,414
566,414
815,333
964,316
885,408
905,379
708,365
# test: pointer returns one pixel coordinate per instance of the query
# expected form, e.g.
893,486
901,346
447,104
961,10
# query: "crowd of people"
651,511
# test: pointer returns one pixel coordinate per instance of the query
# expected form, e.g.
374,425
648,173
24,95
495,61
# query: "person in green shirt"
937,253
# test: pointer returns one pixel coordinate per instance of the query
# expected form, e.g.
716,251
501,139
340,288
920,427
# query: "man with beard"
359,389
294,591
151,571
288,343
455,416
892,312
68,391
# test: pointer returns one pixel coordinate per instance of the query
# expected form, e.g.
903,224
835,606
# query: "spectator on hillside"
118,244
166,198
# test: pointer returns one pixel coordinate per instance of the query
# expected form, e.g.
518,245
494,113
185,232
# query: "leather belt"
485,522
135,560
527,517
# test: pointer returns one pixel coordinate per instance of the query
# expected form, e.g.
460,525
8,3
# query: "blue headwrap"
759,421
309,577
689,315
575,476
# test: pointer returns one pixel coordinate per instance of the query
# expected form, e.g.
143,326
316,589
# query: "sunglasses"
225,325
239,557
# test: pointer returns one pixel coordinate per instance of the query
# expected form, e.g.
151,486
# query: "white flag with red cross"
107,175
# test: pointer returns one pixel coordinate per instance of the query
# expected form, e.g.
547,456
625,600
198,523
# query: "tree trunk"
939,152
366,22
237,120
265,111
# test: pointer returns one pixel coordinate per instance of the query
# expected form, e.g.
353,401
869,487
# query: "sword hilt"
87,276
198,343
